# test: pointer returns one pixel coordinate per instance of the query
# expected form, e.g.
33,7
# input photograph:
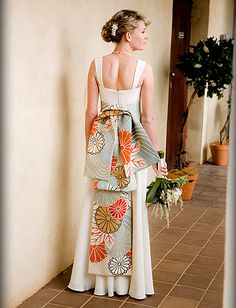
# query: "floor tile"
179,257
221,229
45,294
213,297
30,303
171,235
211,219
212,253
172,266
174,302
133,305
55,306
201,271
188,249
208,262
187,293
220,275
165,276
196,238
217,285
194,281
161,246
162,287
73,299
101,303
217,246
218,237
115,296
57,284
152,300
203,227
206,305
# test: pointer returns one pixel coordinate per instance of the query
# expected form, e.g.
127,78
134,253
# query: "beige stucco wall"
209,18
199,31
220,22
48,47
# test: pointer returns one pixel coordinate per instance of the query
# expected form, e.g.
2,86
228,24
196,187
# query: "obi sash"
118,147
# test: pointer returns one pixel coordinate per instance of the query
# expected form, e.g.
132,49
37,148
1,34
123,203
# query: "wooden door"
181,24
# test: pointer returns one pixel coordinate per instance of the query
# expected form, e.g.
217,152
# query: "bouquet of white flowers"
162,193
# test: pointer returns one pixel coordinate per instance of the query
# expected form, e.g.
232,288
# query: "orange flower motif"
95,184
93,129
125,145
97,252
129,254
118,209
113,163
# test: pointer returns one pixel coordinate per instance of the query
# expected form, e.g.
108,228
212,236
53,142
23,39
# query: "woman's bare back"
118,71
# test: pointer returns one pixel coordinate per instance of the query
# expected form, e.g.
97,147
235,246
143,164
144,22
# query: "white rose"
206,49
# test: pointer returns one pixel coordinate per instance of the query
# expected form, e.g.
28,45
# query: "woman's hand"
161,170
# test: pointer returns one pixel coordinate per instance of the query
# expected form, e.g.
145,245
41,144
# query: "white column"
229,297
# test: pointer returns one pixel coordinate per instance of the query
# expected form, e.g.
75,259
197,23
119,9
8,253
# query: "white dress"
140,283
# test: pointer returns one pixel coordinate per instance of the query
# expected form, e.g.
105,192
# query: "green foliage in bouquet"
163,193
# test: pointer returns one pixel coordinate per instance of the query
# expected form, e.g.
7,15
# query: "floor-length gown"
140,282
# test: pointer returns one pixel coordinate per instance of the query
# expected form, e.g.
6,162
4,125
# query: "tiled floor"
187,258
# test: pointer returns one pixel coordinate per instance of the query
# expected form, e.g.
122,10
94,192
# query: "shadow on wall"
62,176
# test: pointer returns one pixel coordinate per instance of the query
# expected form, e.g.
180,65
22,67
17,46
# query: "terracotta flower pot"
187,189
220,153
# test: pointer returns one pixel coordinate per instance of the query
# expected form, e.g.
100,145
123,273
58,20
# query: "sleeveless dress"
113,244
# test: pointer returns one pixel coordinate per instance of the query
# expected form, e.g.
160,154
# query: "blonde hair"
122,22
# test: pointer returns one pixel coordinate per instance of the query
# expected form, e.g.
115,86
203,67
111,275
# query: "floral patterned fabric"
118,147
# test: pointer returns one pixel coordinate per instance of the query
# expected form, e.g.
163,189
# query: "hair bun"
122,22
107,31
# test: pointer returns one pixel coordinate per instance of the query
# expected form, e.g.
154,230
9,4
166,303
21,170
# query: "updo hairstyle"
122,22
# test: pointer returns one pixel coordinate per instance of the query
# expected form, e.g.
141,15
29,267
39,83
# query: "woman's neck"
123,48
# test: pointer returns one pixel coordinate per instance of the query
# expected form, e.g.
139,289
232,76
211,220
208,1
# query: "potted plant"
207,67
220,149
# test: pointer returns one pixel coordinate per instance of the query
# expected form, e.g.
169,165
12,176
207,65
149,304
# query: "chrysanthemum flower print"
97,237
93,129
96,143
119,173
109,113
119,266
105,221
114,161
110,123
125,145
118,209
95,184
129,254
97,252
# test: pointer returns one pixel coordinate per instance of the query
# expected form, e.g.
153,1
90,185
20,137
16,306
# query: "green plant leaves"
208,65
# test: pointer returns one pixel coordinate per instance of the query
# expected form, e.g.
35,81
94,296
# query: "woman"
113,247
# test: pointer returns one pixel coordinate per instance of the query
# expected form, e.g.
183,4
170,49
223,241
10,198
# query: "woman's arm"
92,101
147,98
147,119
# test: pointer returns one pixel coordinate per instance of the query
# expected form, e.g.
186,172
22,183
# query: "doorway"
180,40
